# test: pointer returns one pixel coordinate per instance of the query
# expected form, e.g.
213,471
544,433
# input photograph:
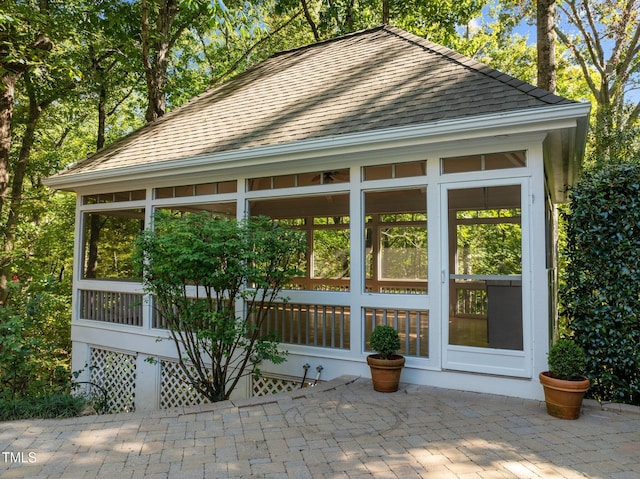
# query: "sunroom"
424,182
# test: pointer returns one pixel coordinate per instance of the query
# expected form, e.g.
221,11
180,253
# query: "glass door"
483,281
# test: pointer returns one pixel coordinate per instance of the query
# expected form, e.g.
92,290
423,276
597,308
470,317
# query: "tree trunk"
102,116
349,19
385,12
9,81
17,185
91,267
312,24
156,44
94,239
12,70
546,44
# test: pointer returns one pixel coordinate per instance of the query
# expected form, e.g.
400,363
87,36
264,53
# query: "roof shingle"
374,79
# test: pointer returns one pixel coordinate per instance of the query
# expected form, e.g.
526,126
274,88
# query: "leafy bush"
35,341
602,292
566,359
385,341
224,262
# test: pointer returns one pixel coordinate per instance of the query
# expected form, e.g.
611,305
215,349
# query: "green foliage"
602,293
566,359
113,235
43,249
490,248
517,56
404,252
53,406
331,253
597,45
611,142
436,19
385,341
34,339
198,268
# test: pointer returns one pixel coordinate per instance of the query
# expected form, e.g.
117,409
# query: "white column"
147,383
80,362
356,225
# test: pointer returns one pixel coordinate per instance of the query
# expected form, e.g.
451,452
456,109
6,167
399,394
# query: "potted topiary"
386,366
565,384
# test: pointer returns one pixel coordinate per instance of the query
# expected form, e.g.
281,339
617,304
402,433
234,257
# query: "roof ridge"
326,41
483,68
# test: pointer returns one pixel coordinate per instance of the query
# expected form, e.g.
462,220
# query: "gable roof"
368,81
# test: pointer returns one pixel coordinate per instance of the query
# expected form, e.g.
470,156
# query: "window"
108,238
120,196
299,179
412,327
309,324
395,170
200,189
396,241
227,209
492,161
325,219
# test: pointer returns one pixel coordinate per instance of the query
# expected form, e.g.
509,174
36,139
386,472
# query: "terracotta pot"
563,397
385,373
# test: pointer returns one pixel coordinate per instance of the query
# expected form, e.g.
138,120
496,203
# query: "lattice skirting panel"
266,385
175,390
116,373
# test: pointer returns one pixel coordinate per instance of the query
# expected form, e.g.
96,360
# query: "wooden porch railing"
111,307
310,325
388,286
471,299
412,327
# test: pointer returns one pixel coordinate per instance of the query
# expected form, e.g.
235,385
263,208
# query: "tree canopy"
600,40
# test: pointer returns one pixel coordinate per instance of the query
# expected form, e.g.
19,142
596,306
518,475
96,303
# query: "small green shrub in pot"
565,384
385,341
567,360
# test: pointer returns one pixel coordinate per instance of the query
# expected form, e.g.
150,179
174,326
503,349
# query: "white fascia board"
507,123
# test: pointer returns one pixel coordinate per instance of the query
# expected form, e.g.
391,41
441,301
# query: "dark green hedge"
602,293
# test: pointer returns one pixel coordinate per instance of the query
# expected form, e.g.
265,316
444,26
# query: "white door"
484,239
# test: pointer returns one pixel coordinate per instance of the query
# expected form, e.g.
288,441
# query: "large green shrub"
200,269
602,293
35,341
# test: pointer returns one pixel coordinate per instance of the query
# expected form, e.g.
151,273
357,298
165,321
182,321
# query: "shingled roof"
371,80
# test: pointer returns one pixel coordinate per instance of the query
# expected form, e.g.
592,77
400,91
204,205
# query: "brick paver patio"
339,429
